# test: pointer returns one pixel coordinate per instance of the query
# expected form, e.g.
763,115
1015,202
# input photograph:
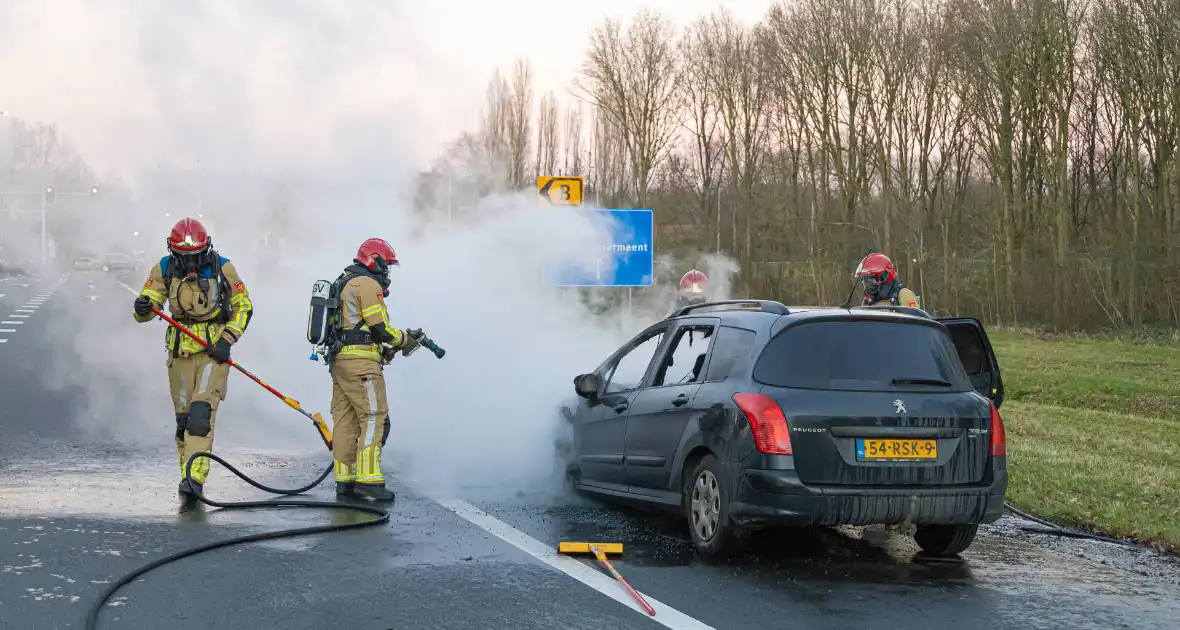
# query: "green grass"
1094,433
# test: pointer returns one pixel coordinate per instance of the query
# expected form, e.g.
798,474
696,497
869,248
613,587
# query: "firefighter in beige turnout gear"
205,294
360,411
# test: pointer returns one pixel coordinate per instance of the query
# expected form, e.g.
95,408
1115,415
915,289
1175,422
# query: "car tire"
945,540
706,508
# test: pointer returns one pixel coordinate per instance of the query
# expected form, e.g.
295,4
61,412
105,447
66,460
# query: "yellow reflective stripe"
156,296
344,472
369,465
372,309
242,307
367,351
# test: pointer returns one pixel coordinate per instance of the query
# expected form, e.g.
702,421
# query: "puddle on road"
143,487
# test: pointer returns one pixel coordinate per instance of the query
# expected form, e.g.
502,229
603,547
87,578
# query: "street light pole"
44,237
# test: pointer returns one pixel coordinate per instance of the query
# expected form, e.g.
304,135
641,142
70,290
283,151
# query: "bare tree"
519,123
632,80
547,136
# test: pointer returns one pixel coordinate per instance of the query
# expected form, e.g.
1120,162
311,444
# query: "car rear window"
861,355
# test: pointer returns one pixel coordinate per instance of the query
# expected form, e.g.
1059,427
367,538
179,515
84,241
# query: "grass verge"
1094,434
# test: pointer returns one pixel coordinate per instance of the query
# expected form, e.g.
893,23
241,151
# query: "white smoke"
293,129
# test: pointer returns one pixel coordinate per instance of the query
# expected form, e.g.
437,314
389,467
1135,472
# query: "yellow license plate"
896,450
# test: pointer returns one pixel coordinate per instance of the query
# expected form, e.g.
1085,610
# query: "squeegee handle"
291,402
615,574
325,433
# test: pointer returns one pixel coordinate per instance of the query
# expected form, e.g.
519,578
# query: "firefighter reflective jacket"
214,305
362,304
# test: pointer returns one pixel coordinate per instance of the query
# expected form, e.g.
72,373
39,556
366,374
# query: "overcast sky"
267,82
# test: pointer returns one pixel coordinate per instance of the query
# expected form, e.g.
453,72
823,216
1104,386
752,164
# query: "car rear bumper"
777,497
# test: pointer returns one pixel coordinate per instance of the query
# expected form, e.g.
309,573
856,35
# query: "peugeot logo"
898,406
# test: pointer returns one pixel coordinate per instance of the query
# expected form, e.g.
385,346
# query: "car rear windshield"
864,356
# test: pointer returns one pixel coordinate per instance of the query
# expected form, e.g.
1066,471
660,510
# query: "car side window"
631,367
684,361
730,349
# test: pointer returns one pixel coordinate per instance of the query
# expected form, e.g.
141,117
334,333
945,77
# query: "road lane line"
20,316
8,321
3,340
7,330
25,310
3,294
665,615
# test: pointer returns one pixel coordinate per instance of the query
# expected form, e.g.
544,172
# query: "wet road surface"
78,510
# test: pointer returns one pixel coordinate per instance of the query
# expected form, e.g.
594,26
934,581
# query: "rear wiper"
921,381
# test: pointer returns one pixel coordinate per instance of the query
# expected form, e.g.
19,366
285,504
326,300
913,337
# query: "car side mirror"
586,385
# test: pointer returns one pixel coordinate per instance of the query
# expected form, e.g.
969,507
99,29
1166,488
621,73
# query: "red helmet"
875,271
188,237
694,283
377,255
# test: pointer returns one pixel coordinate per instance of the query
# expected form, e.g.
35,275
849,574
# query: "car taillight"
768,423
999,440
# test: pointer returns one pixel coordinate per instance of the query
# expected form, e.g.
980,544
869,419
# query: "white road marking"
20,316
25,310
3,341
598,580
3,294
7,330
8,321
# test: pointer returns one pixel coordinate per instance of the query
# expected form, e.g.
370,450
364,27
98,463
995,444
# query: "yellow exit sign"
560,190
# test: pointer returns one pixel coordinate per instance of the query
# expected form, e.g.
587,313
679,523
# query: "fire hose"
381,517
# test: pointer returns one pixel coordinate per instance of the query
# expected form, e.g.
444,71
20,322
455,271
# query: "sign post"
560,190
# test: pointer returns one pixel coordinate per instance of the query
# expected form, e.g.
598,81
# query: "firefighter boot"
374,491
345,490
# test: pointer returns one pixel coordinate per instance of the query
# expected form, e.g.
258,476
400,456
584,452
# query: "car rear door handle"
621,407
680,400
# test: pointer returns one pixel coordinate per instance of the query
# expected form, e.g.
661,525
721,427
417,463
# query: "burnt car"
745,414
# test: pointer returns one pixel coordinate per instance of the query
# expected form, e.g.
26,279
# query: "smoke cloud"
293,129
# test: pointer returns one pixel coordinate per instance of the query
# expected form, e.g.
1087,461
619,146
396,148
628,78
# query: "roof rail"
766,306
905,310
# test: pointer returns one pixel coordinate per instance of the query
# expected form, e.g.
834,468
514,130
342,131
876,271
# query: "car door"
978,358
600,428
661,410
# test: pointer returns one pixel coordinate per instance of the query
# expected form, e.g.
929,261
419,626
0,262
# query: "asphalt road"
78,510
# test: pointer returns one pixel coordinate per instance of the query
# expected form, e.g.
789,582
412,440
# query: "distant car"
118,262
748,415
86,263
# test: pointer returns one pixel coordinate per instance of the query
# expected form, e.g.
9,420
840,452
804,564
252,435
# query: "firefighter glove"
220,350
388,352
143,305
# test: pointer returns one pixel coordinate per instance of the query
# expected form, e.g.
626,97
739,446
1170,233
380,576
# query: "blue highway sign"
626,261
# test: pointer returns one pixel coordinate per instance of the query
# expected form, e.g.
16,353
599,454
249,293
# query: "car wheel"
706,503
945,540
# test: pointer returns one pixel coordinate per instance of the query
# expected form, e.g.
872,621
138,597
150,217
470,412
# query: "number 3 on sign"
559,190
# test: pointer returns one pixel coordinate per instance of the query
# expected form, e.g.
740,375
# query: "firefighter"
364,341
881,284
206,295
694,289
